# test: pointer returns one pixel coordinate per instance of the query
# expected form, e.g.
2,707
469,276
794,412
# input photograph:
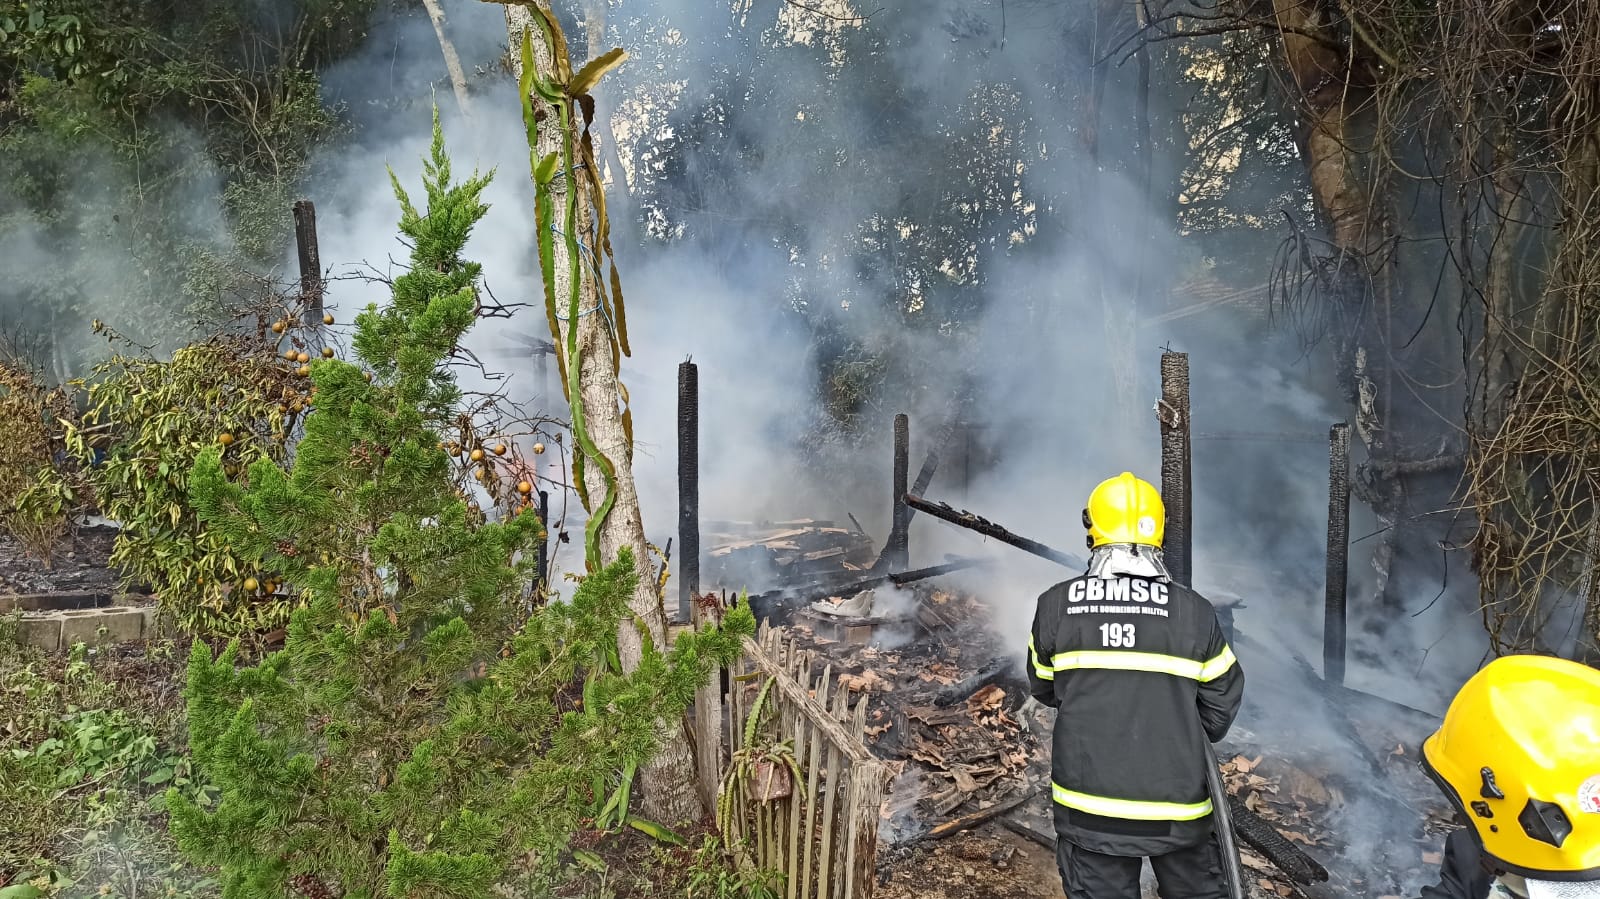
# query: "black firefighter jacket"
1140,673
1463,874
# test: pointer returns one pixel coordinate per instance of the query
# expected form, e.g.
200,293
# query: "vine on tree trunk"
562,92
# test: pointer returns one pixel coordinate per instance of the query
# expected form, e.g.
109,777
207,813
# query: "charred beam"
305,238
542,570
930,463
987,528
1265,839
973,819
898,550
688,488
993,671
1333,608
1173,413
772,602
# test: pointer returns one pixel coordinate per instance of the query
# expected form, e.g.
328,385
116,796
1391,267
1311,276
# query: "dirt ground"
988,862
77,564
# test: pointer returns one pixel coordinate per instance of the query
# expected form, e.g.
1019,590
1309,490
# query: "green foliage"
712,877
83,767
153,420
418,735
38,493
148,149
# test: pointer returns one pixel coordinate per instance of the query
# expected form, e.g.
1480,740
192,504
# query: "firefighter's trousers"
1191,873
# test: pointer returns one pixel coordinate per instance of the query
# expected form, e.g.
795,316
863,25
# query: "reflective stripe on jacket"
1140,673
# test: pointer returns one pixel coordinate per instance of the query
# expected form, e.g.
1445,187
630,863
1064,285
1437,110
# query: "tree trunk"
1333,97
667,781
452,62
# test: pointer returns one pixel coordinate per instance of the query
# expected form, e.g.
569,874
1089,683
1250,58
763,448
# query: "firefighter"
1518,755
1139,672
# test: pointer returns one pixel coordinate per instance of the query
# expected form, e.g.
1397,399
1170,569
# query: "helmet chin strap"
1128,559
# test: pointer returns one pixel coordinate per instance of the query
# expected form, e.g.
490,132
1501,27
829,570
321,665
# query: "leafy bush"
155,419
39,487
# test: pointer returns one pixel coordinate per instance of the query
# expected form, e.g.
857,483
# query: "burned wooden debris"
782,551
774,603
945,712
984,526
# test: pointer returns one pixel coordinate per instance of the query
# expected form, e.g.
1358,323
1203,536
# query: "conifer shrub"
421,733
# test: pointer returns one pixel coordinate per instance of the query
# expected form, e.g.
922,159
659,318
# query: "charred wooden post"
1333,609
542,570
305,238
899,534
1173,413
688,488
988,528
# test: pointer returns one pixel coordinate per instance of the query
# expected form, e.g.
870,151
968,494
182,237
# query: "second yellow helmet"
1518,754
1125,509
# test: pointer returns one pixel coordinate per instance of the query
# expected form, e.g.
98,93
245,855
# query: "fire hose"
1223,822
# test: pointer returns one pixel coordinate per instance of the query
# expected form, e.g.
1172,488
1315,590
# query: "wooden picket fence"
806,800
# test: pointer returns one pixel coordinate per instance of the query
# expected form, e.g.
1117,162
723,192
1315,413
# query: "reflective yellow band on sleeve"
1129,809
1040,670
1218,666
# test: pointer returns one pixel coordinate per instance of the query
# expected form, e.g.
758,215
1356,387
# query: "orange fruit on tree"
477,455
327,318
327,352
302,358
279,326
499,449
290,354
538,449
524,488
225,438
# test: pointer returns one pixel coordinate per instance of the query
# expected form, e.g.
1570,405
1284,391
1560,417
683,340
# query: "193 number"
1116,635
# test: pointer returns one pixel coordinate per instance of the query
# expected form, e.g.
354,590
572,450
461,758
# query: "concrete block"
43,631
155,626
97,627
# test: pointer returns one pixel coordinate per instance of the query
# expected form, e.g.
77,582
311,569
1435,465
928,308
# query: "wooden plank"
847,848
736,704
866,808
831,784
802,674
829,723
813,776
708,725
766,540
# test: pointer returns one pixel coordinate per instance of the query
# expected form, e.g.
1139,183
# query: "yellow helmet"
1125,509
1519,756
